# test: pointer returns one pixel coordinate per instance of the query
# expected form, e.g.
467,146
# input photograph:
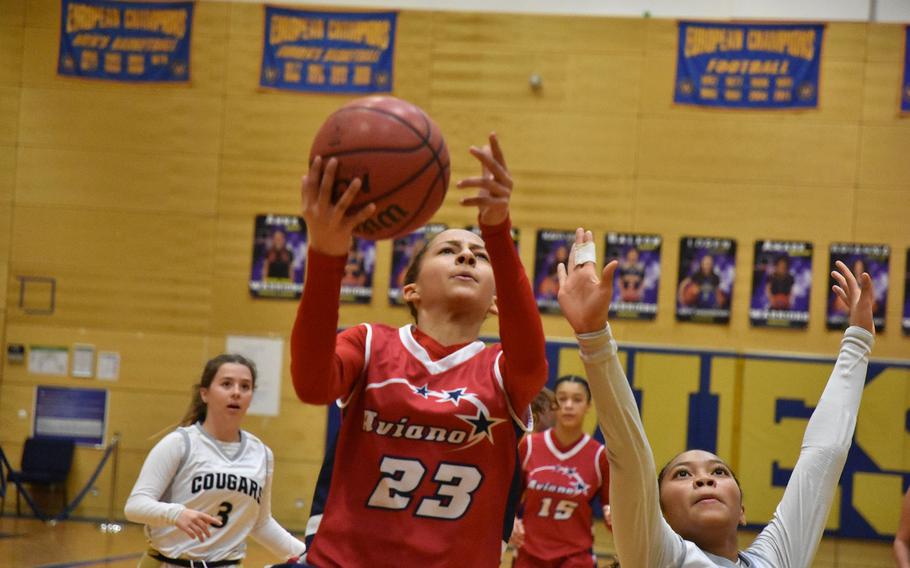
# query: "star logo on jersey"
481,425
423,391
454,395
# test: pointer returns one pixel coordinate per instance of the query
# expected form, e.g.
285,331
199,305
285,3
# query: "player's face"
456,268
230,392
632,256
699,495
279,239
707,264
572,403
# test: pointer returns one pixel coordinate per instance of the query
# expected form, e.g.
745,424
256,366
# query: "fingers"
346,199
495,188
561,274
839,292
497,170
480,200
607,274
361,216
327,183
496,149
866,286
309,192
579,236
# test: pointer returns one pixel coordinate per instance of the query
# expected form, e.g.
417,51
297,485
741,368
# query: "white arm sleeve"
641,535
267,531
792,536
144,505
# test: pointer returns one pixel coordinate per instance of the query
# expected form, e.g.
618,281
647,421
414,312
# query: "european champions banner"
328,52
125,41
763,66
905,83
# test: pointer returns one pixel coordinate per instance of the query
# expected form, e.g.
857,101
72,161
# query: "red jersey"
425,465
559,485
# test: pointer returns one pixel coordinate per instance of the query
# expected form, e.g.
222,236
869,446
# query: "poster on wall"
268,355
403,251
357,282
77,413
759,66
707,266
637,278
552,248
126,41
905,84
859,258
328,52
279,257
905,321
781,283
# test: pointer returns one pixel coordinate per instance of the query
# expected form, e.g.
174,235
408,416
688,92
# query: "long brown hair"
198,408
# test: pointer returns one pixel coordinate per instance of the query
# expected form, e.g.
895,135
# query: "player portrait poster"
552,248
707,266
403,251
279,257
146,42
859,258
357,282
781,282
905,322
637,277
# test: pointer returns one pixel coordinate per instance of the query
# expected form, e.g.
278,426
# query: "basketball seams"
439,177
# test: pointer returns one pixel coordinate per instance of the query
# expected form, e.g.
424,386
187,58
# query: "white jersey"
188,469
641,535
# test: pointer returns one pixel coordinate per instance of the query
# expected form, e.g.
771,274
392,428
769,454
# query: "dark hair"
544,401
663,471
573,379
413,271
198,408
783,257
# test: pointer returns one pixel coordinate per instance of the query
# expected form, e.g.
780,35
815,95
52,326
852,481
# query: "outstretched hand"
494,184
584,295
329,227
858,296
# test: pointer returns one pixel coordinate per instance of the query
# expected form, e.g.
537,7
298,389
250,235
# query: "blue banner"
77,413
328,52
905,84
125,41
768,66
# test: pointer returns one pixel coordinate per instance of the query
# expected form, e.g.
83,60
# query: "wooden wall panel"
884,152
118,119
9,115
157,183
760,150
10,53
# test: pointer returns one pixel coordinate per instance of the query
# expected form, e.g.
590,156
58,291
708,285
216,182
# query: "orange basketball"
399,155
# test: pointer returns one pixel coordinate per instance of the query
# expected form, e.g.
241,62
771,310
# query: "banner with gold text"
762,66
126,41
328,52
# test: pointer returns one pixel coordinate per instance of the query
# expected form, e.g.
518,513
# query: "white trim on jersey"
525,426
563,456
448,362
524,462
367,351
312,525
600,477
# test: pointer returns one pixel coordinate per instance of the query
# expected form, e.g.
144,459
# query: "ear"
742,515
410,294
493,310
203,394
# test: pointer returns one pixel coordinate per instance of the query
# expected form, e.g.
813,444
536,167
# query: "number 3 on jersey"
400,478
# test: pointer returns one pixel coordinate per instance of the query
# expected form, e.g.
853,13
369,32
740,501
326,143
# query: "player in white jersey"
689,517
205,487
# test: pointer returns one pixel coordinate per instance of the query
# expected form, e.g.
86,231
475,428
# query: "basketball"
690,294
399,155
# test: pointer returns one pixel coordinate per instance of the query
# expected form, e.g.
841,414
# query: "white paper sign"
48,360
267,354
108,365
83,360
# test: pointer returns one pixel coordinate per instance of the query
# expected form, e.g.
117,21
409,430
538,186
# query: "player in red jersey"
563,470
427,449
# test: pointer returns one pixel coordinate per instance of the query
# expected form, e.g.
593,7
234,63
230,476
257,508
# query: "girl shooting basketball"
563,470
206,486
426,453
688,516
